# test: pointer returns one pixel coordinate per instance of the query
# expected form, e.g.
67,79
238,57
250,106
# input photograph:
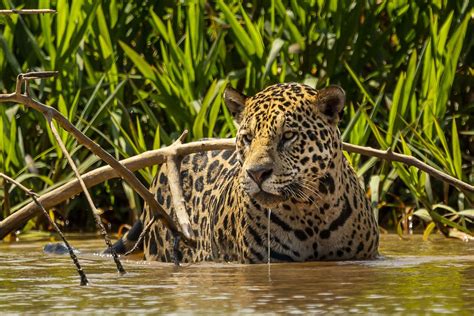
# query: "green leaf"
375,130
145,68
456,148
254,34
12,154
423,214
359,83
395,109
159,26
428,230
274,52
242,38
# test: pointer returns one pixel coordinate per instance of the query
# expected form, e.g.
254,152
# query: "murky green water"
414,277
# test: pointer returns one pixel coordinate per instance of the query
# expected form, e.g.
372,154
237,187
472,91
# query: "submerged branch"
34,196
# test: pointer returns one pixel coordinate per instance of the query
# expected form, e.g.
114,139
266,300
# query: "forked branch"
173,162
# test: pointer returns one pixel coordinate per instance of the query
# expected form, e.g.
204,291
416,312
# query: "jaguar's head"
287,139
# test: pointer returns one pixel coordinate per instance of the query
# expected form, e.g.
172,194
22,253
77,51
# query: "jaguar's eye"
288,136
247,138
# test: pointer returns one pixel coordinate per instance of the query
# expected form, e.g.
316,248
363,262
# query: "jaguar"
286,193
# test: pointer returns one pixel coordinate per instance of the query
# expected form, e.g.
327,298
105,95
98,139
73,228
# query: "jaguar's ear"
235,102
331,101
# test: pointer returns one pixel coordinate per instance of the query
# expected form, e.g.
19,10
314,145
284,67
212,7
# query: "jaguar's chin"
267,199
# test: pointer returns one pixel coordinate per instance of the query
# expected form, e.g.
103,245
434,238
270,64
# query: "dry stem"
26,11
35,196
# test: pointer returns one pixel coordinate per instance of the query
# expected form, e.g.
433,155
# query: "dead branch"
172,162
159,156
126,174
102,174
94,210
389,155
35,196
26,11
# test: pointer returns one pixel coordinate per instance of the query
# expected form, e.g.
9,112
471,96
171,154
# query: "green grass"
133,76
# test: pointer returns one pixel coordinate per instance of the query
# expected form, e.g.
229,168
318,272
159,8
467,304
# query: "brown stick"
35,196
94,210
172,162
26,11
125,173
408,160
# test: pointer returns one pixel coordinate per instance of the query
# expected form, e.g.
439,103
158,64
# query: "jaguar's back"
289,165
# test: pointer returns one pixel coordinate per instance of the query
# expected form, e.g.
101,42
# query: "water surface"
414,276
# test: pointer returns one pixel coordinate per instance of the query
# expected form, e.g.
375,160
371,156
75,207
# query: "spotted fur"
288,160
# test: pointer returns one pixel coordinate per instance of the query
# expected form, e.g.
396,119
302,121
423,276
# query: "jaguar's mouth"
267,199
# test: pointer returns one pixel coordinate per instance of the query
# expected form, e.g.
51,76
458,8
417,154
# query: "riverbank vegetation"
133,76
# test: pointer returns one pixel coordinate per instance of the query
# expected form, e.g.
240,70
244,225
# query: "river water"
414,277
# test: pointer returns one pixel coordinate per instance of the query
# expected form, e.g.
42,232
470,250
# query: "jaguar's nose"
260,173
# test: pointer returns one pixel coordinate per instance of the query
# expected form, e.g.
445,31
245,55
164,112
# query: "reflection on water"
414,276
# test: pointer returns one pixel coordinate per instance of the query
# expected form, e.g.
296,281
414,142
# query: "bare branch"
172,163
102,174
34,196
95,212
408,160
26,11
159,156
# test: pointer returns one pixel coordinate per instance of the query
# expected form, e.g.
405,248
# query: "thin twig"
172,162
34,196
408,160
26,11
95,212
142,235
38,75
